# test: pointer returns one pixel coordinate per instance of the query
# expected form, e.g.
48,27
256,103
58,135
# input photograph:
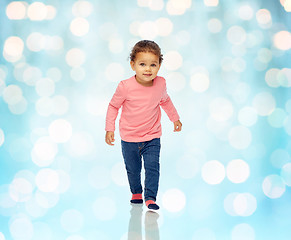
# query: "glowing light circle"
237,171
75,237
284,77
148,30
174,200
45,87
60,130
79,26
156,5
51,12
82,8
221,109
61,105
44,151
273,186
199,82
104,208
282,40
118,174
13,48
45,106
21,228
246,12
2,237
46,200
264,103
211,3
188,166
287,5
287,125
37,11
16,10
178,7
116,45
247,116
172,60
47,180
2,137
244,204
80,144
236,35
20,190
165,26
99,177
271,77
204,234
31,75
64,183
286,174
264,18
54,73
277,118
114,72
243,231
75,57
175,81
214,25
12,94
72,220
240,137
35,42
213,172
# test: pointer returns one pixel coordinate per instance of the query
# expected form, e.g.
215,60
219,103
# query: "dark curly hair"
146,46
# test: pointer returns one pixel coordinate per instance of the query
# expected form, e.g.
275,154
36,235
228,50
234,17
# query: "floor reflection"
135,231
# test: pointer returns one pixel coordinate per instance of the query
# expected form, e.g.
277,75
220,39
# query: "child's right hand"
109,138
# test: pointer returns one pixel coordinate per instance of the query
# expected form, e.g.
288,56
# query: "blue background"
68,184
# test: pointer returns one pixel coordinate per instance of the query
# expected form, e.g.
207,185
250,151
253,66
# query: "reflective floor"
143,224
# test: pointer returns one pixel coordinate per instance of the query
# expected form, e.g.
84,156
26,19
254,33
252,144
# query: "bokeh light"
21,228
213,172
273,186
243,231
47,180
174,200
16,10
13,48
60,130
282,40
237,171
72,220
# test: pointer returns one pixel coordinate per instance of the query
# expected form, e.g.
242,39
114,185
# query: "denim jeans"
133,152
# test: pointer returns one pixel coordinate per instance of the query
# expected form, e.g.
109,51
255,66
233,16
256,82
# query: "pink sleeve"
168,106
113,107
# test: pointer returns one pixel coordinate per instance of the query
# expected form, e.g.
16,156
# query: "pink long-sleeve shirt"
140,118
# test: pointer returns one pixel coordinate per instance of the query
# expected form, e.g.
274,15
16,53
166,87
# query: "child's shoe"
152,205
136,198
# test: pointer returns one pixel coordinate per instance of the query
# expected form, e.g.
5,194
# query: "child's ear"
132,65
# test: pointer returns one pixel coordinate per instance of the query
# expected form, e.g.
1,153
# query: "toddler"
140,122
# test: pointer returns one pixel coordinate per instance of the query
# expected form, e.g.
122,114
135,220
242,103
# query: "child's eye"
142,64
153,65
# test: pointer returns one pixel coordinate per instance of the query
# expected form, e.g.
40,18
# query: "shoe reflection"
135,224
151,226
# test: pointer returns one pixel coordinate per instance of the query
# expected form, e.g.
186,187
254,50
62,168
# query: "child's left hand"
177,126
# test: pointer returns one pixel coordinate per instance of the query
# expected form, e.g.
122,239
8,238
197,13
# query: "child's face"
146,67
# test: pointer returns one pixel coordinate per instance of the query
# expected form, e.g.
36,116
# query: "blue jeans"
132,154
